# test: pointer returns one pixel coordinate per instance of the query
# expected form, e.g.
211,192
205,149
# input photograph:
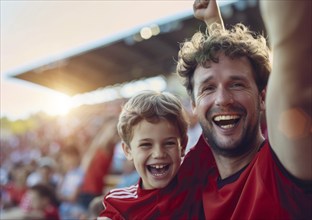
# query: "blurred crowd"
55,170
60,168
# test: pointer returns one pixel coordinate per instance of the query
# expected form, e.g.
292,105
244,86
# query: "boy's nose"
159,152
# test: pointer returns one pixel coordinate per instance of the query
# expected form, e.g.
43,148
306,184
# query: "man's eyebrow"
206,80
239,77
206,64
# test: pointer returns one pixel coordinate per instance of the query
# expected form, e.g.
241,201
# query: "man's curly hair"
235,42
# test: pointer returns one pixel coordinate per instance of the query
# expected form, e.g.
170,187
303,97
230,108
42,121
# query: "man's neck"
228,166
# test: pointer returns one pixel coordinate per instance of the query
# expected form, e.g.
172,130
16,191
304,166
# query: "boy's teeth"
158,170
158,166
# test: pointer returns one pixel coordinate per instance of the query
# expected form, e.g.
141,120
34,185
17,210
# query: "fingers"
199,4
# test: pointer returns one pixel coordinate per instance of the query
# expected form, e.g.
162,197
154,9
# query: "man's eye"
208,88
237,85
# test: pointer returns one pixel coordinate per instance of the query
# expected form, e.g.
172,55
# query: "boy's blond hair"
152,106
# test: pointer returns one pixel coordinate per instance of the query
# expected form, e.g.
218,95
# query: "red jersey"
15,193
51,213
261,190
180,199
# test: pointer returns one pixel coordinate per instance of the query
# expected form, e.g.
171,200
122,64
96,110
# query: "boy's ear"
194,110
183,146
127,151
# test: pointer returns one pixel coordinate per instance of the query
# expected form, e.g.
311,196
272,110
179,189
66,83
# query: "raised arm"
207,11
105,140
289,93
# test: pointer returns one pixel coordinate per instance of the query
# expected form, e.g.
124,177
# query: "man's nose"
223,97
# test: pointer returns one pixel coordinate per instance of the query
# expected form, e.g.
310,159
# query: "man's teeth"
227,126
226,117
226,121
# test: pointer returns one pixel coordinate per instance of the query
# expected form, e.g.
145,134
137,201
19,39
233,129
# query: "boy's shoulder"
201,152
131,203
133,192
123,193
197,163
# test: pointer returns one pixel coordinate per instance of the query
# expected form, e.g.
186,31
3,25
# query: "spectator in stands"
39,203
45,173
69,188
97,161
43,203
16,187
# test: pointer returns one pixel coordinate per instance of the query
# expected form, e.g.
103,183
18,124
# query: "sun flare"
60,104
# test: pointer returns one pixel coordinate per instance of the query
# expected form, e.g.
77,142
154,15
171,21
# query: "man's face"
156,152
228,105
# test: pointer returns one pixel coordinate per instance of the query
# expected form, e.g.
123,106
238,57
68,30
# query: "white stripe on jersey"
129,188
123,193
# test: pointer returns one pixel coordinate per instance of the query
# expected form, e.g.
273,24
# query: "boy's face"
156,152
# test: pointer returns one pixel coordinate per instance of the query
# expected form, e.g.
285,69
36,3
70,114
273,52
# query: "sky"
34,32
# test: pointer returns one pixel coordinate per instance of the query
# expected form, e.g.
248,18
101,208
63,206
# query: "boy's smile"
158,170
156,152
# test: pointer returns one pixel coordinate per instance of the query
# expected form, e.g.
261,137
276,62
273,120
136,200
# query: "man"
225,74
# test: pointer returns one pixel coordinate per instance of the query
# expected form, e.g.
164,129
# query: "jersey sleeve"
109,210
199,157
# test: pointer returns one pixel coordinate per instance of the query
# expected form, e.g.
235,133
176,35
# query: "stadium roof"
129,57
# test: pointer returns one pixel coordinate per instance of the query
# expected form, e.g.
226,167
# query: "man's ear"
262,99
127,151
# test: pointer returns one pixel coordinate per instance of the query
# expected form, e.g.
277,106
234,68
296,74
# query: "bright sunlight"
60,104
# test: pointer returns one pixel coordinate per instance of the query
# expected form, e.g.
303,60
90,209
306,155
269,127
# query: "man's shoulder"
265,150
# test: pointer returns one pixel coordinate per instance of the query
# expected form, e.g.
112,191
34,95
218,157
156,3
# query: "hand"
207,11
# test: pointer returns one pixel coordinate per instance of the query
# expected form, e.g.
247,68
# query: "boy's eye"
145,145
170,143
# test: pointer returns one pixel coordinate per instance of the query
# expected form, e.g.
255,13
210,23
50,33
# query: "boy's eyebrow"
173,137
166,138
150,140
145,139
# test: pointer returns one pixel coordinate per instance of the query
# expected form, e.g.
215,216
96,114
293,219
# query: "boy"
153,130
